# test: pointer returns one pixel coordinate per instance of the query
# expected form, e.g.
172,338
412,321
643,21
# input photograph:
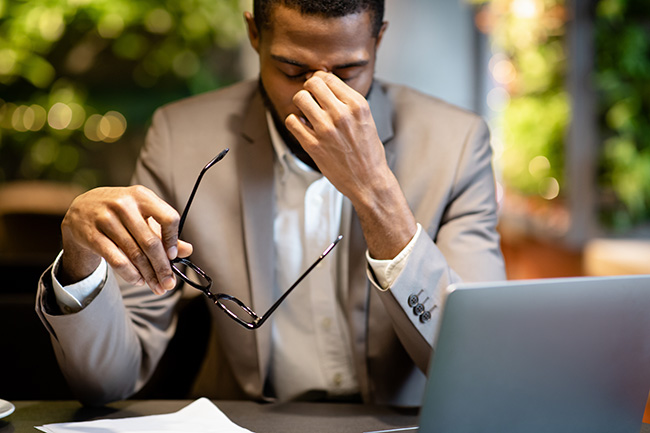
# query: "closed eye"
295,76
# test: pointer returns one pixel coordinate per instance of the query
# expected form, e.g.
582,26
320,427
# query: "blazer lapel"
255,167
382,113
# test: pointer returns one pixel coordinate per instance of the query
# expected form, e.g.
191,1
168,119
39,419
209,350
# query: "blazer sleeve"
108,350
463,246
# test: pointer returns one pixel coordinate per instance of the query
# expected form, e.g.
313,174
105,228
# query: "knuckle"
329,130
337,117
93,237
119,263
139,190
136,256
103,217
120,203
356,107
170,217
150,243
163,270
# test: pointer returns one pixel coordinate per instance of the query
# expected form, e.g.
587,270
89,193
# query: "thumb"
185,249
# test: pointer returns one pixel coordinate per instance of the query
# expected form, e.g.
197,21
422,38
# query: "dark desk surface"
259,418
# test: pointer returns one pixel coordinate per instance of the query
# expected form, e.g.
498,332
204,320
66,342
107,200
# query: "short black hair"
327,8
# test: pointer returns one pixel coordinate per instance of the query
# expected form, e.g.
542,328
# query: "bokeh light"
539,166
59,116
158,21
525,9
549,188
498,99
50,23
504,72
35,118
107,128
110,26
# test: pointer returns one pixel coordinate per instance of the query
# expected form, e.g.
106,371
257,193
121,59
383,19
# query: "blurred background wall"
564,85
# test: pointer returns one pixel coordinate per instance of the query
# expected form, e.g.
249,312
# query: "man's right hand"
131,227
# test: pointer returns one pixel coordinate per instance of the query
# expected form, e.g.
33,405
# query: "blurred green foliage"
623,82
529,67
76,75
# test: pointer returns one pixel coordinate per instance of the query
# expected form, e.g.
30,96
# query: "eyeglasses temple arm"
277,303
196,187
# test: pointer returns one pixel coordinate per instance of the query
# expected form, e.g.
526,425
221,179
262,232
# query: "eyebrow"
292,62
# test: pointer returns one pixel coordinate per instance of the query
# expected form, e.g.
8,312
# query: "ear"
384,26
253,31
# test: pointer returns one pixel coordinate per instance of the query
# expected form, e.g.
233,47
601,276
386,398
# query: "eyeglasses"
250,320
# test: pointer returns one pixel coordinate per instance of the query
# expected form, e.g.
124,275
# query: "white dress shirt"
311,350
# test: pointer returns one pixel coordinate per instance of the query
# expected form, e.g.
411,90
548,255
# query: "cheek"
362,83
281,92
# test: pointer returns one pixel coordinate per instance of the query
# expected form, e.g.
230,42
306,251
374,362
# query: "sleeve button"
418,309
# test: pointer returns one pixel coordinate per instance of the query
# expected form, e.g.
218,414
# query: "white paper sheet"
201,416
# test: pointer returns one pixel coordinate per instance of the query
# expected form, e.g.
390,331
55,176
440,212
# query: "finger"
303,133
341,91
165,216
316,117
322,93
142,245
154,255
116,258
122,236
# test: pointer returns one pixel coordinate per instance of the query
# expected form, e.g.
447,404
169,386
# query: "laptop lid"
556,355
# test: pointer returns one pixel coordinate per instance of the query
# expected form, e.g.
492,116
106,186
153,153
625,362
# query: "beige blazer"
442,159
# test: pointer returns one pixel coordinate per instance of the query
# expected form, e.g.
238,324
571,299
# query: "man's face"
297,45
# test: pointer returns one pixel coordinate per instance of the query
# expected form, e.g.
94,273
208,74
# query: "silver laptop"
558,355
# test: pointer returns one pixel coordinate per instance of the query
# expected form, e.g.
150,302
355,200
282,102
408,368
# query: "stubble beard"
289,139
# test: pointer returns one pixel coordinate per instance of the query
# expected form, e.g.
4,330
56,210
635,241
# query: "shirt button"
326,323
337,379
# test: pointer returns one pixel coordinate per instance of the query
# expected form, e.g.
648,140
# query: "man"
317,148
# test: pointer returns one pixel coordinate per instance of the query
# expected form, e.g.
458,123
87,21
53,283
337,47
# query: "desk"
257,417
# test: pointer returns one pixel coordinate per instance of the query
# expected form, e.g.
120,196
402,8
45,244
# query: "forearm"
386,219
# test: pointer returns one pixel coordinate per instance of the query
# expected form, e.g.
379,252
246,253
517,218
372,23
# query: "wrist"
370,193
76,264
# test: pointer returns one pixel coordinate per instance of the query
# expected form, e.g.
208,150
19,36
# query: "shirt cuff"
75,297
385,272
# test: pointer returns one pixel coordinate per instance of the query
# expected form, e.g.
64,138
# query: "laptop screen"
555,355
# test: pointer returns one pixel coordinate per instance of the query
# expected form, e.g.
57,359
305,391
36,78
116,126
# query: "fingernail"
140,282
168,283
157,289
172,252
